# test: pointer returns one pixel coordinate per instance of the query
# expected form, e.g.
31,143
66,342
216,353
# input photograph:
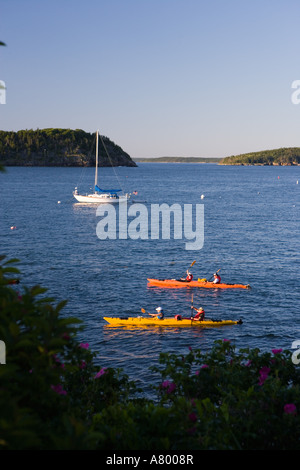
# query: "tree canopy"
58,147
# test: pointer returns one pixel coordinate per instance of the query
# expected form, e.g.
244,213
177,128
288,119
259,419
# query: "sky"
188,78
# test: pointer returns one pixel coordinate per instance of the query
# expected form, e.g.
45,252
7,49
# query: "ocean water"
251,233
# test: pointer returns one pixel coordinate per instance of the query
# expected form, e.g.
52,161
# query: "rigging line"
111,162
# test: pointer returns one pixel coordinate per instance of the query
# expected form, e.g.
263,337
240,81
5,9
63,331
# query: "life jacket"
199,315
189,277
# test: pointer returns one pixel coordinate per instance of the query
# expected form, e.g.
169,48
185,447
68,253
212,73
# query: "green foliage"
282,156
54,395
235,400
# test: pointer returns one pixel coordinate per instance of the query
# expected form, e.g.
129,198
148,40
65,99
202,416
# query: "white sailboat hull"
100,198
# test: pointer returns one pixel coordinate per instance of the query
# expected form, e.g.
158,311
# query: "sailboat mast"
96,169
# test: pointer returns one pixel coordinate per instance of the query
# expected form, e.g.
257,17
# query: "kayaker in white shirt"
159,314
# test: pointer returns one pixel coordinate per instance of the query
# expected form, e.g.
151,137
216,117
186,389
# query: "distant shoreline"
277,157
177,160
216,161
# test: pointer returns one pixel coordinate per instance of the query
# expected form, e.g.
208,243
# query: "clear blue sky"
159,77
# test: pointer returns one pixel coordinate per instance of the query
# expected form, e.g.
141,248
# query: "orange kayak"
175,283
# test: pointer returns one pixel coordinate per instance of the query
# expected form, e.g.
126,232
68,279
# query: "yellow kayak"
177,321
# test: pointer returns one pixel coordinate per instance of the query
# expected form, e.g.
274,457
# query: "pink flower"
193,417
204,366
264,370
263,374
82,365
58,389
84,345
169,386
101,372
290,409
57,360
276,351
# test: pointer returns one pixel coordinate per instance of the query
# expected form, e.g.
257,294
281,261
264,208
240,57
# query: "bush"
53,395
50,386
235,400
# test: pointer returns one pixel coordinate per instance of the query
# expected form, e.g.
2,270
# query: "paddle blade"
143,310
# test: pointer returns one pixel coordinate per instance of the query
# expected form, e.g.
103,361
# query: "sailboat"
100,196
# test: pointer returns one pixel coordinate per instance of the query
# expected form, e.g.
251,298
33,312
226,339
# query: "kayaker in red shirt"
217,279
188,278
200,314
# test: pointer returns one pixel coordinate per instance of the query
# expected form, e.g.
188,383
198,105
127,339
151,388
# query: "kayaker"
200,314
188,278
217,278
159,315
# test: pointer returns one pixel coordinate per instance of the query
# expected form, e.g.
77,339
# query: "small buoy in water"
58,202
297,181
13,227
202,196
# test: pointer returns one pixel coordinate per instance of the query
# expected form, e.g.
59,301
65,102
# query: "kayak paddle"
191,264
213,275
144,311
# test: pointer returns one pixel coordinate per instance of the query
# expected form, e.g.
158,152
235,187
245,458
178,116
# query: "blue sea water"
251,233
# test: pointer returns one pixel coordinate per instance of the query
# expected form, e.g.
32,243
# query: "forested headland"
281,156
59,147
